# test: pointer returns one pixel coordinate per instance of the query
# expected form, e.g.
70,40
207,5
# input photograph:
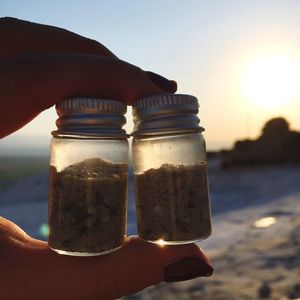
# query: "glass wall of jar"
88,178
170,166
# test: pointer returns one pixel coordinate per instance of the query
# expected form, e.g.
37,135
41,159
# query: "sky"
241,59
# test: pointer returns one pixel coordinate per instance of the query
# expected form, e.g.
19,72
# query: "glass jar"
170,167
88,177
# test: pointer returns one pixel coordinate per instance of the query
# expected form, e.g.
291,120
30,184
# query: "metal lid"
165,114
92,117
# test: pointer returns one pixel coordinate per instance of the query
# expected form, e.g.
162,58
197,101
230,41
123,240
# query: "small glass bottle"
170,167
88,177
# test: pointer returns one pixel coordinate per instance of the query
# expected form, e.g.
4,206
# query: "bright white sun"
272,80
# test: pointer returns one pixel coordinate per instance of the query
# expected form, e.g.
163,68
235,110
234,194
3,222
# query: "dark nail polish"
162,82
186,269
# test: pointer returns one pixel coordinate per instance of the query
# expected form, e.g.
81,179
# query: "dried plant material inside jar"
173,203
87,207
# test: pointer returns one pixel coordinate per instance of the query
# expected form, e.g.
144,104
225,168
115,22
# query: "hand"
40,65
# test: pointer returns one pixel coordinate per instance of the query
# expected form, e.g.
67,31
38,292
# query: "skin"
40,65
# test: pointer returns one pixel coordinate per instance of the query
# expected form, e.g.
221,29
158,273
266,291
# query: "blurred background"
241,59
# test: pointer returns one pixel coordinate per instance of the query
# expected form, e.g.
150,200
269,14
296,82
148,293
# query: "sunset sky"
241,59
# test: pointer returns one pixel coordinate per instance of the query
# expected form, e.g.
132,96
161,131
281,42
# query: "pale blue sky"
204,45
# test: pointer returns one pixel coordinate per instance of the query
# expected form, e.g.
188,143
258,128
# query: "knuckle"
9,21
93,43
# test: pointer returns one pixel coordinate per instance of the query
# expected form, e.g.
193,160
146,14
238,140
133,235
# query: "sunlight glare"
161,242
272,80
265,222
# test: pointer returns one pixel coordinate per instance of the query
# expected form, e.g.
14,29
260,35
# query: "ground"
249,262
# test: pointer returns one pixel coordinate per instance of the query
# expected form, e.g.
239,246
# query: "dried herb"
173,203
87,207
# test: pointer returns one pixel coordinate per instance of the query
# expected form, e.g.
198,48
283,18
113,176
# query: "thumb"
40,273
139,264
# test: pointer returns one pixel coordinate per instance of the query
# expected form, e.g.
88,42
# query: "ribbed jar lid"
90,106
166,113
94,117
167,100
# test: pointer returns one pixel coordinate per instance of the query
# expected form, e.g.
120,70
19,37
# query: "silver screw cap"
93,117
165,114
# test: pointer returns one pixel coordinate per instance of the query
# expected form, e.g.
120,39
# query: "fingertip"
173,86
186,269
165,262
163,83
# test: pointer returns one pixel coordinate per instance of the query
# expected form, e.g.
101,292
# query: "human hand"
40,65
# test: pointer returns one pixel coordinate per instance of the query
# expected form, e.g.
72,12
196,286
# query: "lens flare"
44,230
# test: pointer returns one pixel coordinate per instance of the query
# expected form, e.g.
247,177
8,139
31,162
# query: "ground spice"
87,207
172,203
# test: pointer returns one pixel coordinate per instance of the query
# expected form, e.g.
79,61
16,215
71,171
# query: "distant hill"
276,144
18,145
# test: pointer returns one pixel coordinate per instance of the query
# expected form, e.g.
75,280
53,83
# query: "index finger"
19,36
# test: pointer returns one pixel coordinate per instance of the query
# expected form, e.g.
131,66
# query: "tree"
275,127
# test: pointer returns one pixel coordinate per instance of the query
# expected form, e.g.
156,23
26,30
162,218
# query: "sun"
272,80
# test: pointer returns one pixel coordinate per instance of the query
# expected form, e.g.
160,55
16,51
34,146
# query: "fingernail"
186,269
162,82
